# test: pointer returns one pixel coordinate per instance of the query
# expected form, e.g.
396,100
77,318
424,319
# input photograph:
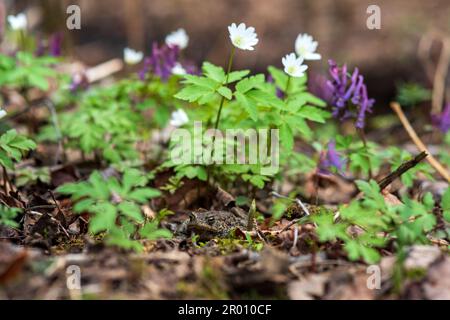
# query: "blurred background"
385,56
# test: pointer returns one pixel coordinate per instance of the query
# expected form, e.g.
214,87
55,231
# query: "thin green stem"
222,101
22,40
219,113
286,91
362,136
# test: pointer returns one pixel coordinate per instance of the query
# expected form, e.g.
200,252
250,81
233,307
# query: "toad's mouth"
200,227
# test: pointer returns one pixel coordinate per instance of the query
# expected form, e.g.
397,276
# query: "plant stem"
219,113
286,91
22,41
222,101
362,136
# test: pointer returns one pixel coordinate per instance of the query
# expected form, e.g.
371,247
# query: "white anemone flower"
132,57
293,66
306,47
18,22
178,69
178,118
178,38
2,113
242,37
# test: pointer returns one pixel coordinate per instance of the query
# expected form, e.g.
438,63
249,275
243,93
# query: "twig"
439,78
298,201
423,53
401,170
420,145
104,70
290,224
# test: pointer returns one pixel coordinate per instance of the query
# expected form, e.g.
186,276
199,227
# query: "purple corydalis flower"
442,121
318,86
55,46
79,82
349,92
330,159
161,61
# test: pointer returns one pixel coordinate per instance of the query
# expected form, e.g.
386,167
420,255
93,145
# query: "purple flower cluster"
55,44
442,121
161,61
54,47
330,159
349,93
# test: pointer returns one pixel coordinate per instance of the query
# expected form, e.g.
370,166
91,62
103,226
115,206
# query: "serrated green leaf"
131,210
314,114
248,104
193,93
237,75
214,72
286,137
104,218
225,92
143,194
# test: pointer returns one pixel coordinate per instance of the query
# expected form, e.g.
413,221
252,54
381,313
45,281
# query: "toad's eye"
192,217
210,219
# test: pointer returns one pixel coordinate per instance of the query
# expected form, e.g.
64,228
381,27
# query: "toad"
213,224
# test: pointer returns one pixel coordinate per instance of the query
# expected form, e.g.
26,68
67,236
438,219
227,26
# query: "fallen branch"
418,142
401,170
439,78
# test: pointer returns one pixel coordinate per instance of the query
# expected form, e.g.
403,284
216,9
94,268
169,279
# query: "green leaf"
286,137
151,231
131,210
200,81
38,81
327,230
445,202
225,92
237,75
279,77
250,83
193,93
248,104
143,195
214,72
104,218
314,114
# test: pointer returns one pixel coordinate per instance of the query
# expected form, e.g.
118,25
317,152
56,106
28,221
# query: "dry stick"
423,53
439,78
420,145
401,170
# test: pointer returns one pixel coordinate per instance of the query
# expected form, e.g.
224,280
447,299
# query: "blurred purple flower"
55,44
162,60
349,93
330,159
442,121
79,82
318,86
